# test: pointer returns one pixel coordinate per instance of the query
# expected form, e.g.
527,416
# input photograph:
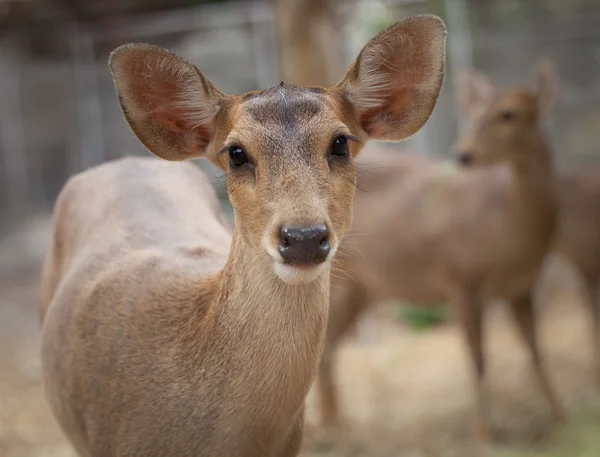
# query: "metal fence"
58,113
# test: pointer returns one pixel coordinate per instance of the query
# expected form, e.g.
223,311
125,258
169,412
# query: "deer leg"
470,314
524,315
343,313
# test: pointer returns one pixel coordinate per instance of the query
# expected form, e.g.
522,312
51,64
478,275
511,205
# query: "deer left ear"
396,79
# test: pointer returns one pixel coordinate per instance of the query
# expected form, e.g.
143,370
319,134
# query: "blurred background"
404,377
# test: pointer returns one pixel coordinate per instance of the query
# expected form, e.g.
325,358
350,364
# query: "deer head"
288,151
504,125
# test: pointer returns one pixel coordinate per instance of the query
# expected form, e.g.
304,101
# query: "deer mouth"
299,274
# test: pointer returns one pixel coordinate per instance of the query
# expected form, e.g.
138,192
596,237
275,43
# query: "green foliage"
377,25
437,7
578,438
421,318
376,17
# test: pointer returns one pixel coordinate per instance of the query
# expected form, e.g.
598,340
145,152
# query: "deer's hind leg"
470,315
524,314
593,302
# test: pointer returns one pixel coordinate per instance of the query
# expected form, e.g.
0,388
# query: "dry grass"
404,393
578,438
409,394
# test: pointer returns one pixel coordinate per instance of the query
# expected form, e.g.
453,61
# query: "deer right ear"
168,103
395,81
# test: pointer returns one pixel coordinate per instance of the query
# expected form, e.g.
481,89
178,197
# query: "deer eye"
339,147
508,116
237,156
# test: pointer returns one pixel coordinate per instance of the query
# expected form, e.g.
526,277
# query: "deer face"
502,124
287,151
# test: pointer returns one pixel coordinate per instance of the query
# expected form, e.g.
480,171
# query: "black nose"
465,158
304,245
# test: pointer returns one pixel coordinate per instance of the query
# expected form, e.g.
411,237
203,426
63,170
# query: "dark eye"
237,156
508,116
339,147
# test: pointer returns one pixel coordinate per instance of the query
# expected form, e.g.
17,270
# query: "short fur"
578,238
165,336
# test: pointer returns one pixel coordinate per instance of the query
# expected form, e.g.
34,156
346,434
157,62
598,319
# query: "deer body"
185,323
437,241
579,230
162,333
443,234
578,238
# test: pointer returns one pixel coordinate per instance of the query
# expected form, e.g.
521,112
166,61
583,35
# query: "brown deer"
578,238
165,335
578,231
464,237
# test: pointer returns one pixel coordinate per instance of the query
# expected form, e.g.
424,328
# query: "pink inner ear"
196,137
376,121
170,122
176,119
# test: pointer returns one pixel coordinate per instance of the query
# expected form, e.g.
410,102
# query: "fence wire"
59,115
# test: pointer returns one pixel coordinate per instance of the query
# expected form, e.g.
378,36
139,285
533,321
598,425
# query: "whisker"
346,274
356,250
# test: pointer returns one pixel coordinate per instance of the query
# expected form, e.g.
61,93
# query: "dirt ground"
404,393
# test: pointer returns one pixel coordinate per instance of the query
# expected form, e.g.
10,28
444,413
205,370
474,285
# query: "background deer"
463,237
578,238
578,234
164,335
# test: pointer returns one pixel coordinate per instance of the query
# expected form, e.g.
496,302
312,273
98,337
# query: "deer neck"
275,330
532,169
534,199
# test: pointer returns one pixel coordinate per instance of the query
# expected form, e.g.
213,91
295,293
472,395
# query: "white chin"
294,275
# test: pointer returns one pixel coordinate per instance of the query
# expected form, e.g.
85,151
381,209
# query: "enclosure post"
12,135
265,63
309,41
460,44
90,148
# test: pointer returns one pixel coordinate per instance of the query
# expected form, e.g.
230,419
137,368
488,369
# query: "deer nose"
304,245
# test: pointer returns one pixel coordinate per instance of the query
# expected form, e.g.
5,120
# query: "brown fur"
578,238
578,234
163,335
446,235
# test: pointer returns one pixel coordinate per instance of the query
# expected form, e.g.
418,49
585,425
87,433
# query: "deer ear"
168,103
474,89
545,81
395,81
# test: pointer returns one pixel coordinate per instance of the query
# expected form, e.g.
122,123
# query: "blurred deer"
464,237
578,235
578,238
163,334
578,231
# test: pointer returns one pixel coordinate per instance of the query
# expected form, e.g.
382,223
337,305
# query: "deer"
444,233
577,238
164,334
